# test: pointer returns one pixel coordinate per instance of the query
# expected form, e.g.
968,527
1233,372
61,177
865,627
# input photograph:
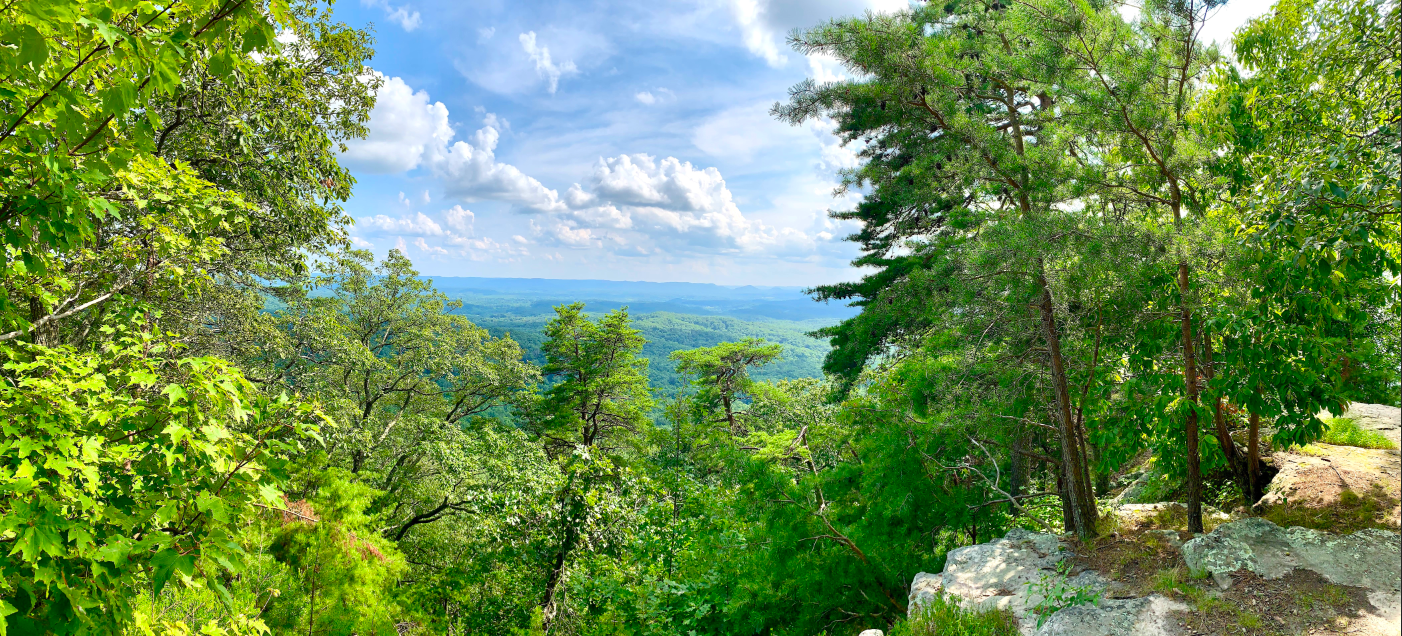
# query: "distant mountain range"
535,296
672,316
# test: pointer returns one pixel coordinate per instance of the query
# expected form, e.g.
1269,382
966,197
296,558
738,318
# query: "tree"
598,402
127,469
1311,173
405,378
722,372
114,108
966,148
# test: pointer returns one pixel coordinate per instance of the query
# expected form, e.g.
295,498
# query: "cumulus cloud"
547,69
451,234
406,18
636,204
629,205
404,128
645,98
409,132
460,220
469,170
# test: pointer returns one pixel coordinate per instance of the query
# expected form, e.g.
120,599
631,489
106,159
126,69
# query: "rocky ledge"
1003,573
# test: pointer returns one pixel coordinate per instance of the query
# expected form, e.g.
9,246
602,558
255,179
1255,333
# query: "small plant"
1343,431
1057,593
943,616
1177,580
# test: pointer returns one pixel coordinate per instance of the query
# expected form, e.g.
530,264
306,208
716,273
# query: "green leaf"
33,49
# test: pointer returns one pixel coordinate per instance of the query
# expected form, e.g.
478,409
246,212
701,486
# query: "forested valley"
1087,239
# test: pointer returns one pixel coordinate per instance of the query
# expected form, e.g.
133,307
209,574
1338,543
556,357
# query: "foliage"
1343,431
126,469
346,571
1084,238
1055,593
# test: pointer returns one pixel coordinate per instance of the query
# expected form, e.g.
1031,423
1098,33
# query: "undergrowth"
943,616
1343,431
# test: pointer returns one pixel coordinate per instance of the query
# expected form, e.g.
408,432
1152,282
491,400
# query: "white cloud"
627,205
469,170
460,220
764,24
637,204
825,68
401,15
645,98
741,132
431,249
544,66
403,127
418,225
485,33
407,132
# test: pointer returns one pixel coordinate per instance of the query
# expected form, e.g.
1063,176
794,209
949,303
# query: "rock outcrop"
998,574
1318,476
1370,559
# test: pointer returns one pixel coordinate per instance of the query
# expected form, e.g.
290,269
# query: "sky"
599,139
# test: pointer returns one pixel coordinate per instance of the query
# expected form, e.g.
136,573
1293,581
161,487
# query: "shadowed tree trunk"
1190,381
1078,496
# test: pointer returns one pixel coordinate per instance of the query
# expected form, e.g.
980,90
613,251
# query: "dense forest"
1087,237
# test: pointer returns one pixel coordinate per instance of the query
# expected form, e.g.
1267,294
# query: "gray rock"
1134,490
924,589
872,632
995,575
1148,616
1370,559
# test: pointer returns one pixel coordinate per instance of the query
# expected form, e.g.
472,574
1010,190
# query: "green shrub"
943,616
1342,431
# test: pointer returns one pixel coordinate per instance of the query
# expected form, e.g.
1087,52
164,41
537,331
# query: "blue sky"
610,140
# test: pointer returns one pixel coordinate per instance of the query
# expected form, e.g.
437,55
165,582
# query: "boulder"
872,632
1370,559
997,574
994,575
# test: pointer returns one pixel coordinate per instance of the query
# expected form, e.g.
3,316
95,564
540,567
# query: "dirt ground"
1143,559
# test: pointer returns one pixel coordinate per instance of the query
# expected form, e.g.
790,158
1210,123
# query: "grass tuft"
1343,431
945,617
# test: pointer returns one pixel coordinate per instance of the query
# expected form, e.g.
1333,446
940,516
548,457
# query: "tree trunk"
1219,421
549,605
1190,382
1081,500
1015,471
1253,459
729,413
